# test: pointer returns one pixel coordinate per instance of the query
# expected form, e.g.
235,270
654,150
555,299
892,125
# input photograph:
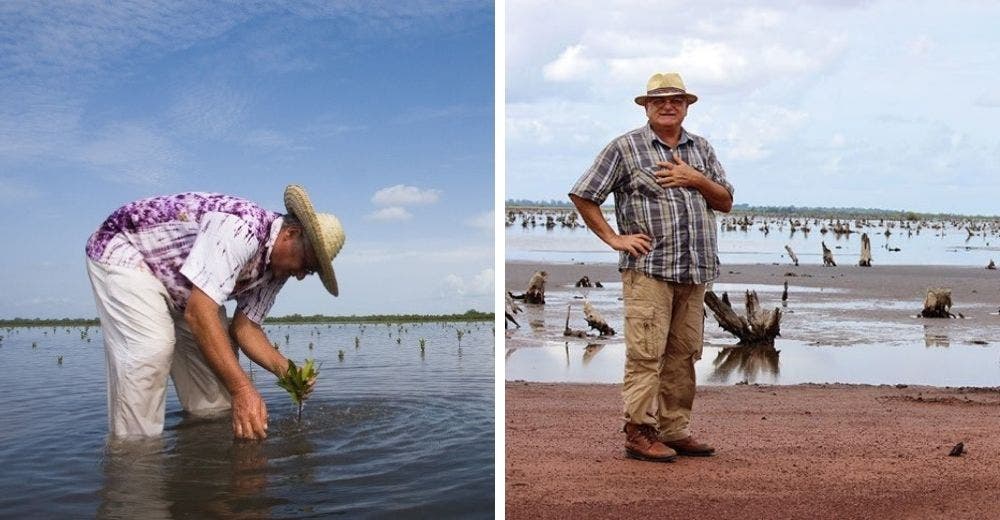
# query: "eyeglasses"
674,101
309,261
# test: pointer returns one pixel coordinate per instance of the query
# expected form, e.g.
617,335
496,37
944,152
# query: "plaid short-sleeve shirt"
682,226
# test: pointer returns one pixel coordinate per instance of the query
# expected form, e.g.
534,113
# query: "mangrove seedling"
59,360
422,343
298,382
340,355
357,343
399,341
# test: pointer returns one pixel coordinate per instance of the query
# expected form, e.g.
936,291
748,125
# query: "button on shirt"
219,243
682,226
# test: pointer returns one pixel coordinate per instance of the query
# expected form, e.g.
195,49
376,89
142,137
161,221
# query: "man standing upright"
667,184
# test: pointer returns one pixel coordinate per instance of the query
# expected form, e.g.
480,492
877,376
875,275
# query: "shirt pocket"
642,181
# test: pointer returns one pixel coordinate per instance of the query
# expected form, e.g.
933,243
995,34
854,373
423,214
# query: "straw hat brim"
641,100
297,203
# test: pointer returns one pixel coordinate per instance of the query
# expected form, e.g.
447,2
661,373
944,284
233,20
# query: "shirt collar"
272,237
651,136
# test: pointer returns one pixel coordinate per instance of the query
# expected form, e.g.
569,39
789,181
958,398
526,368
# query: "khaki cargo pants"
664,325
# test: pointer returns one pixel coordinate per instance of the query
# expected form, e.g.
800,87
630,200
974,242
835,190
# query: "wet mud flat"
839,324
803,451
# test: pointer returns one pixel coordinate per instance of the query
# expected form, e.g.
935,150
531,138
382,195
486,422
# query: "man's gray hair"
290,220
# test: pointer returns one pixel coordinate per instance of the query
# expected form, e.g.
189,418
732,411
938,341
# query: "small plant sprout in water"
399,341
59,360
299,382
459,333
340,355
357,343
310,345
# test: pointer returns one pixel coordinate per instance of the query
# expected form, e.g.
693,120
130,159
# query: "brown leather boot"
690,447
641,443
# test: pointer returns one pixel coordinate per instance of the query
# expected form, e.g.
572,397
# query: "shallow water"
949,245
387,432
826,336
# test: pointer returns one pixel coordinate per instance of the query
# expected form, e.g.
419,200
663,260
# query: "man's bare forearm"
594,218
202,315
717,196
254,343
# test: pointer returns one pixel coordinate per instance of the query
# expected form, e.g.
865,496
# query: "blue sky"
382,110
879,104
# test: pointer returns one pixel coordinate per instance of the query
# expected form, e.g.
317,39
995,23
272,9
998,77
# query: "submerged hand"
249,414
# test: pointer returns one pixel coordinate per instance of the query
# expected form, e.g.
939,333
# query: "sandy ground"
808,451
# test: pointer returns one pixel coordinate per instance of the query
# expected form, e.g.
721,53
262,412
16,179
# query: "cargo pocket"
640,331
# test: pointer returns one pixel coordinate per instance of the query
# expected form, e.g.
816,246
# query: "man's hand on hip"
635,245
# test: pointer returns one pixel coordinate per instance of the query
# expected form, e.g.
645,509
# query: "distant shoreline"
470,316
779,211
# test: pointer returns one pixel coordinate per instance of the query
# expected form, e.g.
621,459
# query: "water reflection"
134,480
198,476
590,351
934,338
751,362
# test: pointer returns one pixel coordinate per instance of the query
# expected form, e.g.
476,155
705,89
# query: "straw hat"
323,230
667,84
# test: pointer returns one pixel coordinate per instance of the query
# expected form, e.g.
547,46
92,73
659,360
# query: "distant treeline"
49,322
471,315
782,211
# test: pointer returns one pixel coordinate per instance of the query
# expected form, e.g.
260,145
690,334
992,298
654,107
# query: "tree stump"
937,303
791,254
827,256
510,309
759,327
596,321
866,251
570,332
536,289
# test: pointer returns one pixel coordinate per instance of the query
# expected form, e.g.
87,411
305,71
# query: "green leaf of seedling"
298,382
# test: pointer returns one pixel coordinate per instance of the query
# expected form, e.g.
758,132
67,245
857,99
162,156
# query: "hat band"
665,90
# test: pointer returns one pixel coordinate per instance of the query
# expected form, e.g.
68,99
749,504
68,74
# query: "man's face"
666,111
292,256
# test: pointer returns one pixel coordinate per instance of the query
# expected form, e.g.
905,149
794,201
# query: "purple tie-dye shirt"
219,243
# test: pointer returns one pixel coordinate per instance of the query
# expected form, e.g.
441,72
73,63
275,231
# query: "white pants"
145,339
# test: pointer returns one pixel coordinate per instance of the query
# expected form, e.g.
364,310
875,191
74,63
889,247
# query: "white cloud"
482,221
920,46
390,214
752,133
213,111
479,284
131,153
570,65
403,195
